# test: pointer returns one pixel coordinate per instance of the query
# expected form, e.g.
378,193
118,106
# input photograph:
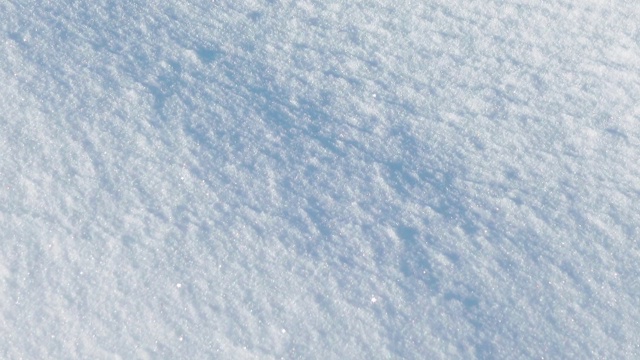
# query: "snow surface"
308,179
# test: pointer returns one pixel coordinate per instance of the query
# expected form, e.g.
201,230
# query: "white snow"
305,179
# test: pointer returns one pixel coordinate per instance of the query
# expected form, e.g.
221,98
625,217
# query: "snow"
301,179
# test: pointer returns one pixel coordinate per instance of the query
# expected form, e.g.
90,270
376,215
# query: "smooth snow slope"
308,179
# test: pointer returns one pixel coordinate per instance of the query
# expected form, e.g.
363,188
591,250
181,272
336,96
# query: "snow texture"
305,179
